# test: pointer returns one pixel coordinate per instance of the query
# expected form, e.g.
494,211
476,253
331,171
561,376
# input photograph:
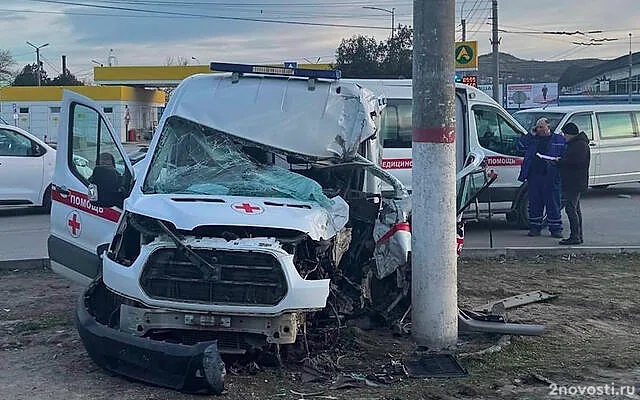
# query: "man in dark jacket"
540,148
574,171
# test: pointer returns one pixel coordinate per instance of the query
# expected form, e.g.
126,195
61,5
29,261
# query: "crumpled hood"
187,212
329,121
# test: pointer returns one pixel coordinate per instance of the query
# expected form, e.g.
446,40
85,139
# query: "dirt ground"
593,338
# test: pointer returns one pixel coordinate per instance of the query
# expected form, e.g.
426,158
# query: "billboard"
532,95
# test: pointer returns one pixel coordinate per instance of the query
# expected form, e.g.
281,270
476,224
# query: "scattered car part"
499,306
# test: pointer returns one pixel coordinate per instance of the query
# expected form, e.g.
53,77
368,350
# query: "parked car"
26,169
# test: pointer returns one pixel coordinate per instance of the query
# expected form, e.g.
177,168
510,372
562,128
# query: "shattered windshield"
191,158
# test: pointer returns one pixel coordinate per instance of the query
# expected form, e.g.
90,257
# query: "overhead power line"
219,17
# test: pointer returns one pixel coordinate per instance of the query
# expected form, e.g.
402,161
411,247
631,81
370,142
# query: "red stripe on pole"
434,135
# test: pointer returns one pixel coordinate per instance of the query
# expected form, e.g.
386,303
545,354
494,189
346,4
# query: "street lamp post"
393,16
463,21
38,58
630,70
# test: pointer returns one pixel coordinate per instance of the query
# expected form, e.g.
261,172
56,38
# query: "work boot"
570,241
533,233
557,235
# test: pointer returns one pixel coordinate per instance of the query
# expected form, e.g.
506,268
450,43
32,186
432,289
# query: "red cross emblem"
247,208
74,224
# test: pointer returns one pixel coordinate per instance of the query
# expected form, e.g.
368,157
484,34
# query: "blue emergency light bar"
279,71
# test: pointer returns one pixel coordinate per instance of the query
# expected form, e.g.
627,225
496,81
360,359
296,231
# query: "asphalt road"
611,217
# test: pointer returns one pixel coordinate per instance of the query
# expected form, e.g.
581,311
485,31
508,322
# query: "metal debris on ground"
471,321
434,365
498,307
309,374
504,341
351,381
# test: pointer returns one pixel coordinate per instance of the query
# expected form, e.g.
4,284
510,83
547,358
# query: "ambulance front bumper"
194,368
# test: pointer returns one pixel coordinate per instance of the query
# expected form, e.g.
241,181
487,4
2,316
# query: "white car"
26,169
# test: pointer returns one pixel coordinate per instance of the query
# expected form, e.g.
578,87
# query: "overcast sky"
185,28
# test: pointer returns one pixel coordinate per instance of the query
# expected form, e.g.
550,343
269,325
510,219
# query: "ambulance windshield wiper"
208,270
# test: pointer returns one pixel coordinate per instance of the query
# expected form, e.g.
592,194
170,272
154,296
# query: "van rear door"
618,148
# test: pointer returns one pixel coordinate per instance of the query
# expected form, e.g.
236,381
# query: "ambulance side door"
80,230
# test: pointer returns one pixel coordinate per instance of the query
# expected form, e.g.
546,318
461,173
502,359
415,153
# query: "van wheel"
46,201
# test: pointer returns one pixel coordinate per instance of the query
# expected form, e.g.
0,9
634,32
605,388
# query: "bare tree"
6,63
180,61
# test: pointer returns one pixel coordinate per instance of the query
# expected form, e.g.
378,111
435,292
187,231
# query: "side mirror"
36,150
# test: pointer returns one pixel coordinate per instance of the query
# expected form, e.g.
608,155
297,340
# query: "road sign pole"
495,41
434,311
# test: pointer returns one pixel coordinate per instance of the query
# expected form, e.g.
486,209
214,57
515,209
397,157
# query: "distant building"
37,109
607,78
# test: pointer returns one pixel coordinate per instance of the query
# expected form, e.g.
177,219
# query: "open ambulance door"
83,224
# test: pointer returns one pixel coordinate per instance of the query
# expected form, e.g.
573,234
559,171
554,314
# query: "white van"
614,131
482,125
257,207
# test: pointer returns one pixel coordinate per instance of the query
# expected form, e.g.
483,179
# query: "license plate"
207,320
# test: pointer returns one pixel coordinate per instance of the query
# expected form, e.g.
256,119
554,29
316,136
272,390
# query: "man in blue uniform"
540,147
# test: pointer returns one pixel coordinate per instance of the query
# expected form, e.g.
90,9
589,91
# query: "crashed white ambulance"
259,197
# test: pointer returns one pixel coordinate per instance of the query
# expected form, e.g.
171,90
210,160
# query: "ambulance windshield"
194,159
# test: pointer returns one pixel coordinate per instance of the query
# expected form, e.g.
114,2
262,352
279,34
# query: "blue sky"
149,38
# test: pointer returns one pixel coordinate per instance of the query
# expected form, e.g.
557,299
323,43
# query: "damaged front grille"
246,278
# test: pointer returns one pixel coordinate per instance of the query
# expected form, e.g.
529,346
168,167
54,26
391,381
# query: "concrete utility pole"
630,71
434,311
38,68
495,41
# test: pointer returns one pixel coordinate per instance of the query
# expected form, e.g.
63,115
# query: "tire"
45,208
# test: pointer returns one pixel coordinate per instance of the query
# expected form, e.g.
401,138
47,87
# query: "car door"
615,149
80,230
21,169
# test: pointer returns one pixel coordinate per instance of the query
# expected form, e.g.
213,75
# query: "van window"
584,124
90,143
528,119
615,125
396,125
495,133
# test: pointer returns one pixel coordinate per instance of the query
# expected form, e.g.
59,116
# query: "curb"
524,252
25,264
